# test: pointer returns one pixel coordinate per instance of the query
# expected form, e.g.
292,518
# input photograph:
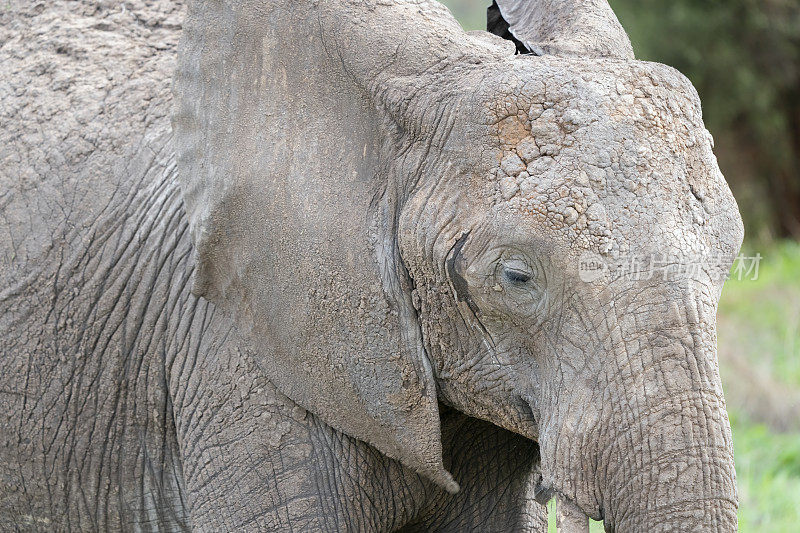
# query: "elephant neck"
141,263
94,320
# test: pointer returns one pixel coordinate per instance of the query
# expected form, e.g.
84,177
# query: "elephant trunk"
675,471
658,454
712,516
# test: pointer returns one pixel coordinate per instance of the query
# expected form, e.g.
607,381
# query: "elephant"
339,265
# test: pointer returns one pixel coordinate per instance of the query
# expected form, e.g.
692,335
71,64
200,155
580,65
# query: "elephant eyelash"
516,271
516,276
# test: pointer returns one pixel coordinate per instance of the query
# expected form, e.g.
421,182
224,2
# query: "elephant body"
331,284
127,403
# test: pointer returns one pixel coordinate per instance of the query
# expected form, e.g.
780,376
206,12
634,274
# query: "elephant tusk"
570,519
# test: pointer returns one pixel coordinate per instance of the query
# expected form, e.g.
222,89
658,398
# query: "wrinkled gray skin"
347,212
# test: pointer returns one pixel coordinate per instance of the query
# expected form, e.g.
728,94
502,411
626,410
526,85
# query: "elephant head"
398,213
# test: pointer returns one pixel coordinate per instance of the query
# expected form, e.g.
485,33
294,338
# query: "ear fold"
569,28
283,164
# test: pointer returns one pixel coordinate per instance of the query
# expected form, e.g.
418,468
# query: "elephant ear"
567,28
284,125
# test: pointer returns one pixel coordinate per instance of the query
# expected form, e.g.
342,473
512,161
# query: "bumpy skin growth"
384,218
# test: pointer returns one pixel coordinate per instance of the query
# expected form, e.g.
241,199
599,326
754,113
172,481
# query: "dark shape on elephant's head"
460,286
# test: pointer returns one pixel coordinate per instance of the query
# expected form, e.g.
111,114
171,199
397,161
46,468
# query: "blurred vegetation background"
743,56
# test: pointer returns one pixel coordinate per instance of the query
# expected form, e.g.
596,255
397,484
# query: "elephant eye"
516,271
518,287
516,276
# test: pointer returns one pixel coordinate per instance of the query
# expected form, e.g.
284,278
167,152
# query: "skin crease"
320,305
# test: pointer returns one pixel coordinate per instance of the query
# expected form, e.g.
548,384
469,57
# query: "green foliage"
470,13
759,322
594,527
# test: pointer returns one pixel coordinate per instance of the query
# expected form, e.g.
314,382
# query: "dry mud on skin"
82,85
81,82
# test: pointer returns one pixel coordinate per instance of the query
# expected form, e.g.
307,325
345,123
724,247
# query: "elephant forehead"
581,91
603,153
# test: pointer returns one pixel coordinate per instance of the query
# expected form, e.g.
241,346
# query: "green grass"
768,477
470,13
551,516
594,527
759,335
766,314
